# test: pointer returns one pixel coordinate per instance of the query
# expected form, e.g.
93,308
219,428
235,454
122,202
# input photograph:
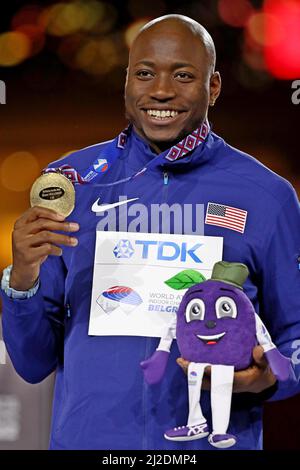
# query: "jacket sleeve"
280,281
33,328
168,335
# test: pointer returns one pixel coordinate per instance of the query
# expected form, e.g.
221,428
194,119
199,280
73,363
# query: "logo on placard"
159,250
123,249
119,296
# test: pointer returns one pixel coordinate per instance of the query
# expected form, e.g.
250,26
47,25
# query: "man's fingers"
52,238
256,378
42,252
37,255
46,224
259,358
244,379
183,364
34,238
205,383
37,212
43,231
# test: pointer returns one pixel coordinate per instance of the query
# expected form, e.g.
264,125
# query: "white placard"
129,295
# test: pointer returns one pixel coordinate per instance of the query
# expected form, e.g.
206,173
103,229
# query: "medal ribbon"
68,172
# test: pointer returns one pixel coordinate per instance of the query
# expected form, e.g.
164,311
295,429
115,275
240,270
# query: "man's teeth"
162,114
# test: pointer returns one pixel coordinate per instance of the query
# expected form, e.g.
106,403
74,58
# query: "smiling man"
167,156
169,85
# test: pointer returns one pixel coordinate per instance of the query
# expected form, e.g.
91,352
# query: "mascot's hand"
154,367
281,366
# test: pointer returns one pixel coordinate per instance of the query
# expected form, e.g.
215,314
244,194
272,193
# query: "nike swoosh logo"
96,207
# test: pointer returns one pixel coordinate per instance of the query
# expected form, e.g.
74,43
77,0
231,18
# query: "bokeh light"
107,21
63,19
256,28
68,49
36,36
253,56
133,30
26,15
235,13
282,50
97,56
19,170
7,225
15,47
252,49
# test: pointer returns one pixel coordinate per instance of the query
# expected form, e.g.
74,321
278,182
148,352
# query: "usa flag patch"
226,216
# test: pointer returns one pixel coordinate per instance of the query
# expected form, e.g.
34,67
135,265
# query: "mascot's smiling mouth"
211,339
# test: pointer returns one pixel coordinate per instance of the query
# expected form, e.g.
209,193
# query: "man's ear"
185,279
214,88
126,77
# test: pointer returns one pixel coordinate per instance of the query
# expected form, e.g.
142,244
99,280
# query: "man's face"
168,84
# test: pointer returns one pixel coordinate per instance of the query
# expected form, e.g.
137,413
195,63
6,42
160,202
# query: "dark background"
67,93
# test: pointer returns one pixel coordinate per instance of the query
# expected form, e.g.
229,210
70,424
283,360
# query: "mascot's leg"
195,377
221,392
196,427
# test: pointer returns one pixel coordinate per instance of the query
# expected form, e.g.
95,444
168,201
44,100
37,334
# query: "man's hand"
255,378
33,240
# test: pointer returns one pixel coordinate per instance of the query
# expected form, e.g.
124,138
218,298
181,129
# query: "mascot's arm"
281,366
154,368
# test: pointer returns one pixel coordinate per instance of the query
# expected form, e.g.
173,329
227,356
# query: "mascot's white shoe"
222,441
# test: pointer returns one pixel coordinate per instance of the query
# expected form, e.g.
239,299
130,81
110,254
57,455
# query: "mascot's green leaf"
185,279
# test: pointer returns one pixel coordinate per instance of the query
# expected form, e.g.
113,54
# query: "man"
101,400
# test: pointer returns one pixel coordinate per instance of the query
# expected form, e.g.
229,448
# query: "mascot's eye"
226,307
195,310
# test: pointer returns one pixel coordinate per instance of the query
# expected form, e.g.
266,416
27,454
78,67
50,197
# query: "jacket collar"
139,154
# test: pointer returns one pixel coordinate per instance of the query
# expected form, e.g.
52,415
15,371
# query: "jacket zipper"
166,186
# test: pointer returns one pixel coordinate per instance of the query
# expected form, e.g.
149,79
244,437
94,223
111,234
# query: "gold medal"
53,191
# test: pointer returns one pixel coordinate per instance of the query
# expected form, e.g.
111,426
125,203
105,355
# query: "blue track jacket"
101,400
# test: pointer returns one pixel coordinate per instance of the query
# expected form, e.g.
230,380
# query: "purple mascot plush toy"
216,326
